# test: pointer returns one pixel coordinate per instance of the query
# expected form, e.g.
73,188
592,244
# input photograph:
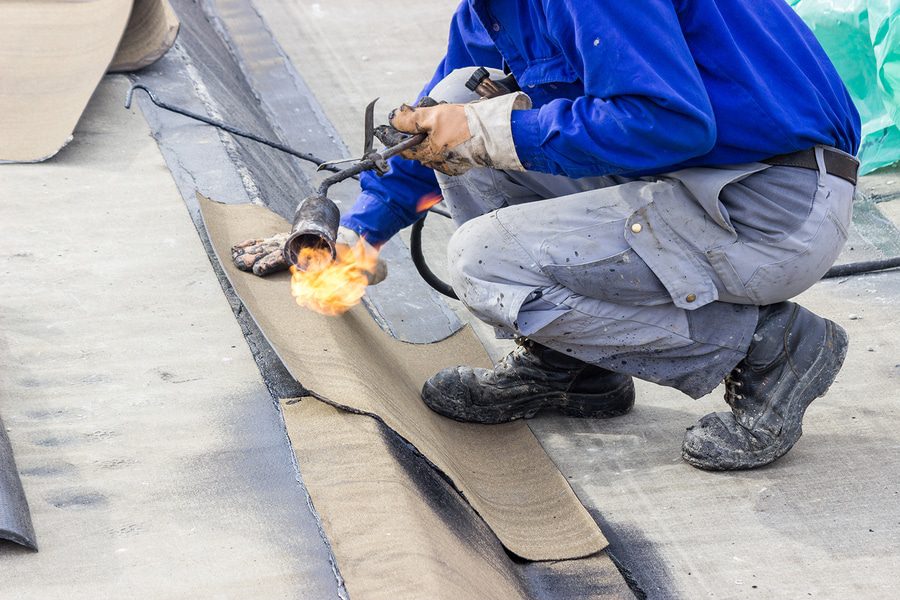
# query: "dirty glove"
262,256
265,256
462,136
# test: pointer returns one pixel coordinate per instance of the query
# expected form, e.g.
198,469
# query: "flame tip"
332,287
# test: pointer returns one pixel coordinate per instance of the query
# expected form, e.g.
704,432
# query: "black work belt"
836,163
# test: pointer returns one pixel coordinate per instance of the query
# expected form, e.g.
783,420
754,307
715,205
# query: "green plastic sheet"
862,37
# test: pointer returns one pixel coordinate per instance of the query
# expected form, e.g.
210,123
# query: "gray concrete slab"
350,52
154,460
824,522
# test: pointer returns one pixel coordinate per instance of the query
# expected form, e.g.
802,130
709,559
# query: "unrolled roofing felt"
52,55
398,530
350,362
388,540
15,518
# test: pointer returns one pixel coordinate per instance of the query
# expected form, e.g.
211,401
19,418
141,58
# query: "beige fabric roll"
151,31
52,56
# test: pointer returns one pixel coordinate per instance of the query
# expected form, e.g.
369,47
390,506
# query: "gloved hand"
265,256
462,136
261,256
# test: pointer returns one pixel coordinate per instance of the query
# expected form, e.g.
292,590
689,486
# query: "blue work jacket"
635,87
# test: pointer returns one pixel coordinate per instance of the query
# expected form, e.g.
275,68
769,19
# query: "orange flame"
427,201
332,287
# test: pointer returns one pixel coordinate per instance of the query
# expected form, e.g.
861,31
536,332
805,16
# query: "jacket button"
691,297
636,228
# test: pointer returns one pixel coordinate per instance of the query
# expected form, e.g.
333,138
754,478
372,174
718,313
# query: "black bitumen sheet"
15,518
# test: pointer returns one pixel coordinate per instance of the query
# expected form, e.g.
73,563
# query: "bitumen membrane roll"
15,518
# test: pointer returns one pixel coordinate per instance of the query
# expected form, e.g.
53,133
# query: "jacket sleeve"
388,203
644,106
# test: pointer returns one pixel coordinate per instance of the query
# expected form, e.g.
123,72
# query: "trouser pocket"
630,255
786,278
766,273
623,278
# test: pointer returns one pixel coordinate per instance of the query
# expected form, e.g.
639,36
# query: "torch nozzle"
315,228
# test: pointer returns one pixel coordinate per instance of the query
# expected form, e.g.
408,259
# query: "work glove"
261,256
265,256
462,136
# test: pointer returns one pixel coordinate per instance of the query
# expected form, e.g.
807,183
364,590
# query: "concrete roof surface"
154,460
156,463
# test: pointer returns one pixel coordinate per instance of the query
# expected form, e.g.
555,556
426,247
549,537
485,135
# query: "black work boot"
792,360
530,378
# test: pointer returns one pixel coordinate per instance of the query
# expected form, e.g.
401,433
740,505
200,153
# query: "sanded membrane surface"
399,530
502,470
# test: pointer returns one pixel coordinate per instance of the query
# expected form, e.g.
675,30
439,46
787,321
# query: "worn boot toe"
794,357
719,443
530,379
448,393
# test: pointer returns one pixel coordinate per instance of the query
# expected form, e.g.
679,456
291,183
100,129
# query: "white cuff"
490,124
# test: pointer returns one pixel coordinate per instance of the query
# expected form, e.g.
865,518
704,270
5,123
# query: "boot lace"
733,384
514,358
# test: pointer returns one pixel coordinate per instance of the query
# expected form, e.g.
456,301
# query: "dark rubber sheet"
15,519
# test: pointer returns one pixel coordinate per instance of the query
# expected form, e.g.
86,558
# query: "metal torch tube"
315,226
317,218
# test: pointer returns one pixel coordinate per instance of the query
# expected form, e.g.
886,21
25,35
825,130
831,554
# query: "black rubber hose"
858,268
418,258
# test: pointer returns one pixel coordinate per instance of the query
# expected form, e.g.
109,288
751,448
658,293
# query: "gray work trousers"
658,277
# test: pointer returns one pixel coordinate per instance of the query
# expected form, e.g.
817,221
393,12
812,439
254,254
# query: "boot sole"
813,384
583,406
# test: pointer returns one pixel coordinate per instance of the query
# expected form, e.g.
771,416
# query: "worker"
670,175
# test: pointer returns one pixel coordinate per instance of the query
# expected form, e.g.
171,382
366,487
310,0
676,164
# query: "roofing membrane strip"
350,362
399,530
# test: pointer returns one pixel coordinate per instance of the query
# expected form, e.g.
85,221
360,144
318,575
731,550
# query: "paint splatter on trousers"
657,277
636,276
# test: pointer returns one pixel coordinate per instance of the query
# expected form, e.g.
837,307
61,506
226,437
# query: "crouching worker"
670,175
